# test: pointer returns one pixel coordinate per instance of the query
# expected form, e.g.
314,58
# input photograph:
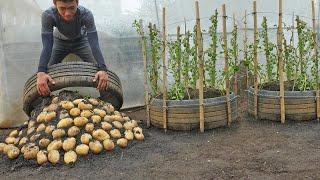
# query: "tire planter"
184,114
73,74
299,105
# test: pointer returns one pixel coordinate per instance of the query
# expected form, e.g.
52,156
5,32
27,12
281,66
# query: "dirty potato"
73,131
67,105
100,135
42,157
123,142
109,108
69,144
86,113
94,101
23,141
30,130
77,101
66,122
82,149
84,106
89,127
34,137
10,140
41,127
6,148
95,147
115,133
44,142
117,124
70,157
108,145
64,114
108,118
75,112
49,129
2,145
50,116
13,152
52,107
54,156
58,133
55,100
31,124
41,117
128,134
100,112
80,121
85,138
128,125
30,152
126,118
106,126
117,118
14,133
54,145
96,119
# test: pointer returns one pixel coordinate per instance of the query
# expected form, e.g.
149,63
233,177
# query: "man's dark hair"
65,1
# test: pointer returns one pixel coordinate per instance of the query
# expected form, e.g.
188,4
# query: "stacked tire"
73,74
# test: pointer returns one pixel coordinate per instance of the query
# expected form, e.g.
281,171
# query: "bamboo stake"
164,45
280,59
316,56
201,70
144,56
245,42
235,86
226,62
255,61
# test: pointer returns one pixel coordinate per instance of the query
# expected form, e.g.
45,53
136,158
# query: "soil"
194,93
249,149
274,86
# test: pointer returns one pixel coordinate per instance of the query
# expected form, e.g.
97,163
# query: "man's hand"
102,77
42,83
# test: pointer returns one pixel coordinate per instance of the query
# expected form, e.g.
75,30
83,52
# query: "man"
69,28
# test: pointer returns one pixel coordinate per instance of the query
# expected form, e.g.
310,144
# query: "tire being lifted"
73,74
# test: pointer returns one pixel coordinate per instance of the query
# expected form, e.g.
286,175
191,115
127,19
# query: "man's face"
67,10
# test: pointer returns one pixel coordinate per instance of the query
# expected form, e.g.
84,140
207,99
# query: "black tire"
73,74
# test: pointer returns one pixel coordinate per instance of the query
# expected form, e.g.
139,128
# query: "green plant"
194,60
185,61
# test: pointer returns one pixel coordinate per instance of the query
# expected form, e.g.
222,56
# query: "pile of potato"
69,129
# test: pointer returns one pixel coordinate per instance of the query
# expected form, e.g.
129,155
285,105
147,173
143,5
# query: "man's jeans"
79,47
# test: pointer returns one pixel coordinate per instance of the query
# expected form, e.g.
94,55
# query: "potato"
86,113
49,129
34,137
89,127
20,133
85,138
80,121
30,130
31,124
58,133
55,100
52,107
117,124
139,136
126,118
54,156
137,129
128,125
117,118
117,113
64,114
67,105
73,131
6,148
10,140
2,145
75,112
108,145
109,108
14,133
96,119
128,134
42,157
84,106
95,147
106,126
108,118
69,144
115,133
100,112
70,157
77,101
100,135
66,122
82,149
54,145
134,122
123,142
45,109
41,127
41,117
30,152
50,116
94,101
44,142
23,141
13,152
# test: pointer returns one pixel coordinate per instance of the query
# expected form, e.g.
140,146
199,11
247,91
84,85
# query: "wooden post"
201,70
280,69
245,42
146,89
164,45
235,86
226,62
316,56
255,60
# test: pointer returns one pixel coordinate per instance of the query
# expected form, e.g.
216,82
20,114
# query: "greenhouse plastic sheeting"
20,43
